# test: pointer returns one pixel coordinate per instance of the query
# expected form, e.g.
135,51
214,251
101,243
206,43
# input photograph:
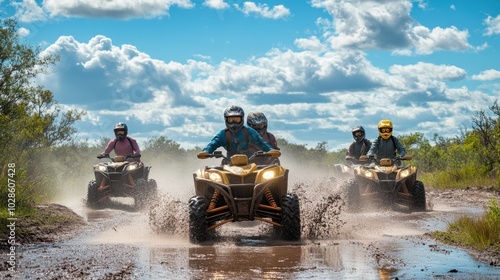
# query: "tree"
30,118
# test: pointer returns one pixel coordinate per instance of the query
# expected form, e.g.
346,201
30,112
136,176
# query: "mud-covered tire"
141,194
353,196
93,195
418,192
152,188
290,221
198,227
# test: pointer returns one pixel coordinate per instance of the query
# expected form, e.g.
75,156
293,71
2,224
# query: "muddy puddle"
119,243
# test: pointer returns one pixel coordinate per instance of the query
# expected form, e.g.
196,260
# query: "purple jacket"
123,148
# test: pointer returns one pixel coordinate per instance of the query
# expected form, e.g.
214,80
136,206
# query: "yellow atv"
385,182
241,190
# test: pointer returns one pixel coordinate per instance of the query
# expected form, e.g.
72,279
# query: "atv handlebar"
101,156
365,158
218,154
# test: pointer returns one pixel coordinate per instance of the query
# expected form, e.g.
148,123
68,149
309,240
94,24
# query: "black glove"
102,156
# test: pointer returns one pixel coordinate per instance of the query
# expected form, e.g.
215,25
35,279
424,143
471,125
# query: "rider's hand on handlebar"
102,156
203,155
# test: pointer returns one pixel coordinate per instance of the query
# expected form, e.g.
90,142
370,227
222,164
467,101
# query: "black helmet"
120,127
234,111
358,129
257,121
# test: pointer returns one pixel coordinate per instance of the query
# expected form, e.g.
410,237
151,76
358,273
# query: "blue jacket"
382,148
238,142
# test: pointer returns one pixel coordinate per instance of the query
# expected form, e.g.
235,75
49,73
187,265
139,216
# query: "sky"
315,68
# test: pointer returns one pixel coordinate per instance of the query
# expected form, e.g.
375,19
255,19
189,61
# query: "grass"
455,180
478,233
40,220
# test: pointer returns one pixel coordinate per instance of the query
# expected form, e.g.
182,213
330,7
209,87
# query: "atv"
346,170
241,190
385,182
121,178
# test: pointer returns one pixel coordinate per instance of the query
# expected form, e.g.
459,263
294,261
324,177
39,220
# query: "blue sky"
314,68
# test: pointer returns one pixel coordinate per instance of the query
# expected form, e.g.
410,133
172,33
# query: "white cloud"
429,71
487,75
263,10
216,4
121,9
28,11
492,25
370,24
426,41
332,90
312,44
23,32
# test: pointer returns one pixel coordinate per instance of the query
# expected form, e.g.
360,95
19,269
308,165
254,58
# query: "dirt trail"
116,243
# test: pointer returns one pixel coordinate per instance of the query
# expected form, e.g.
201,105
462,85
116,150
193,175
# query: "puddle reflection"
266,262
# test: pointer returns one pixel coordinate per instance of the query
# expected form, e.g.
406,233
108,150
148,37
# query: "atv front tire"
153,188
141,193
93,195
353,196
198,228
290,217
418,192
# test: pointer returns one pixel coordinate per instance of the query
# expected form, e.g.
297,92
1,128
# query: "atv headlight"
368,174
404,173
101,168
268,175
132,167
215,177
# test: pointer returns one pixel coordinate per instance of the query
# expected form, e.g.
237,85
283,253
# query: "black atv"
385,182
243,191
121,178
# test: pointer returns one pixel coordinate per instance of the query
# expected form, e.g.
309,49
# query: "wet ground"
118,243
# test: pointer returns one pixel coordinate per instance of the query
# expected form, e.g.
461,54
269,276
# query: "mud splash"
321,203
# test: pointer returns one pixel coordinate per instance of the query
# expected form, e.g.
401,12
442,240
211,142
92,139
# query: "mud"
117,243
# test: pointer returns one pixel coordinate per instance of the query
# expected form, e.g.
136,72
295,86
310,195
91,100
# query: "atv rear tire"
93,195
353,196
290,217
198,228
141,194
418,192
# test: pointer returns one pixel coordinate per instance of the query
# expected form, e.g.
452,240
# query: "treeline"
37,148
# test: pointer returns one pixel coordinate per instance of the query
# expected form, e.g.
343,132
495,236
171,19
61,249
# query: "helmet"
234,111
257,121
120,127
385,129
358,129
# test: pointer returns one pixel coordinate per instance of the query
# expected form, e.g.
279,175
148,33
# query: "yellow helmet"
385,129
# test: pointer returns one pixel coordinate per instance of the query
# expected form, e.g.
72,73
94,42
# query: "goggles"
120,132
385,130
233,119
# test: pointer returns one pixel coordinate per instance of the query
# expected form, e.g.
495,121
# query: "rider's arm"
219,140
399,147
109,147
258,140
272,141
135,147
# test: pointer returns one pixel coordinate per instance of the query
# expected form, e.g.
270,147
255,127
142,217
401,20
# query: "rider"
122,144
386,145
235,138
258,121
360,145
